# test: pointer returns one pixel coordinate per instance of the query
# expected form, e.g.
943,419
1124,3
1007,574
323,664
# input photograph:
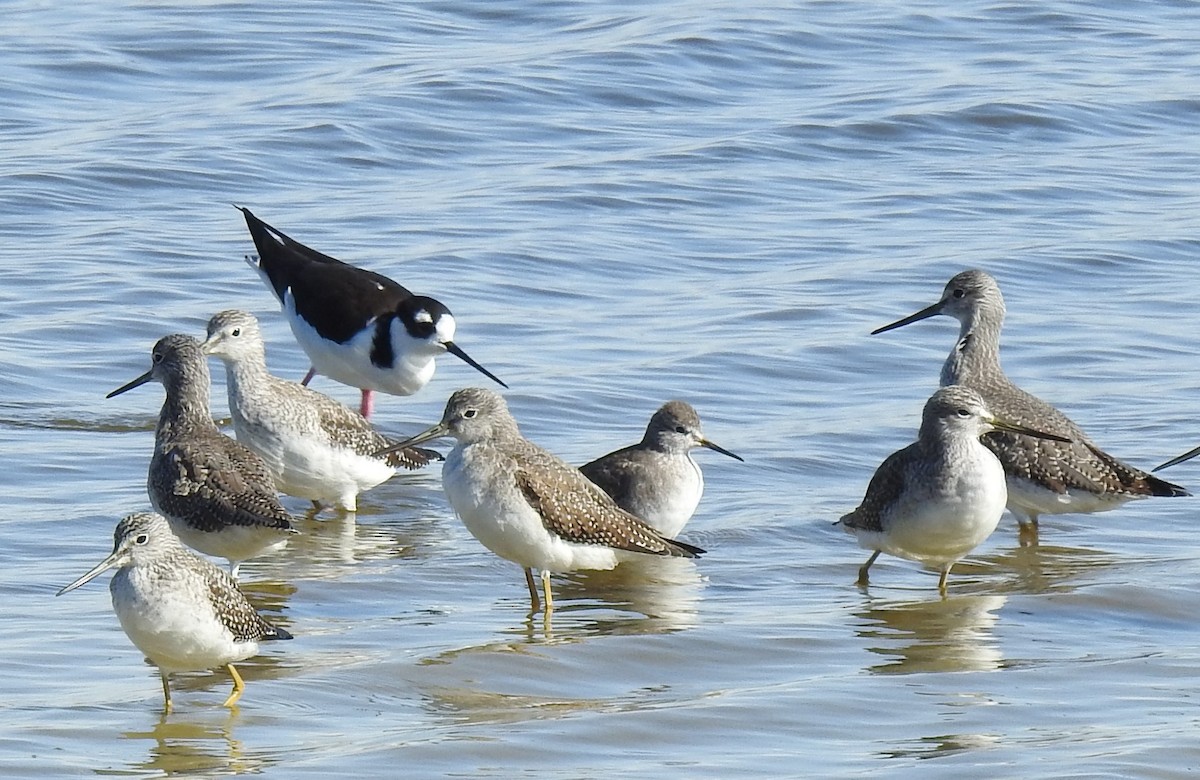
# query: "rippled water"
621,204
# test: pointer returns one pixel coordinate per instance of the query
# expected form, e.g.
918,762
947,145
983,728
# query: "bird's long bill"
98,569
720,449
923,314
1014,428
457,351
1177,460
141,380
429,434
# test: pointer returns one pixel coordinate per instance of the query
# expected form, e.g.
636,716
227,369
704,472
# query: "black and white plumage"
217,495
657,479
181,611
357,327
937,499
528,506
314,446
1044,477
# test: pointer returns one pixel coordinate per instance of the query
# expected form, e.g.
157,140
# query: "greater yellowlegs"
181,611
1044,477
937,499
218,495
526,505
657,479
357,327
315,447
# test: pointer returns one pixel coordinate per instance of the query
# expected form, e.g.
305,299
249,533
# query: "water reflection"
953,634
651,596
193,743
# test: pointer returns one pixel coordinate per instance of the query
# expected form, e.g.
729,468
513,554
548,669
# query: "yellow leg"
166,691
238,687
863,579
942,579
546,590
535,602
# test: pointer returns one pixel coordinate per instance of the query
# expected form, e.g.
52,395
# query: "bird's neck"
976,354
185,409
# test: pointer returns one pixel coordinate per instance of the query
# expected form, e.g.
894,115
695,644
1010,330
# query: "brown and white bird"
657,479
218,496
315,447
527,505
180,610
1044,476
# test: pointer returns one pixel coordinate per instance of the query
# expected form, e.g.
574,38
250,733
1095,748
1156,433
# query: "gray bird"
217,495
528,506
180,610
1044,476
314,446
657,479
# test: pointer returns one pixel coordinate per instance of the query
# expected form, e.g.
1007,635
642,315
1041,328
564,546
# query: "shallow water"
715,202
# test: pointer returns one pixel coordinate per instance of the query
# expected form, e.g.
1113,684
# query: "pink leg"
368,404
308,377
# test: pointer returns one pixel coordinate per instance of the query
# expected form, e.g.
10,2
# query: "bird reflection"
933,635
191,747
651,596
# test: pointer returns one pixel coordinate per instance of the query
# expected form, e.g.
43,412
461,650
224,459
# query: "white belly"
173,623
350,363
498,515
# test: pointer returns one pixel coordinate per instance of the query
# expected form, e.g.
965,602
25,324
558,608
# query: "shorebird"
180,610
1044,477
937,499
526,505
217,495
657,479
314,446
357,327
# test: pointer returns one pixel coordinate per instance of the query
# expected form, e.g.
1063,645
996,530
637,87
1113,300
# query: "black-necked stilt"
357,327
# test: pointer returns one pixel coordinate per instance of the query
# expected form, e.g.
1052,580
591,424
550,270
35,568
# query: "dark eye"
680,429
959,292
470,413
236,332
141,539
963,412
157,357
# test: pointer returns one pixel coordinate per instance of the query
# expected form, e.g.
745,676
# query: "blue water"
621,205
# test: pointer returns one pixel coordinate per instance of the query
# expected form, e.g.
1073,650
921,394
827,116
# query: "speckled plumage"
217,495
657,479
528,506
314,446
937,499
1044,477
181,611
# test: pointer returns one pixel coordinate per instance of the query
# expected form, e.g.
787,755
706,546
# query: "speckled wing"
1058,466
347,428
885,487
235,612
216,482
574,509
